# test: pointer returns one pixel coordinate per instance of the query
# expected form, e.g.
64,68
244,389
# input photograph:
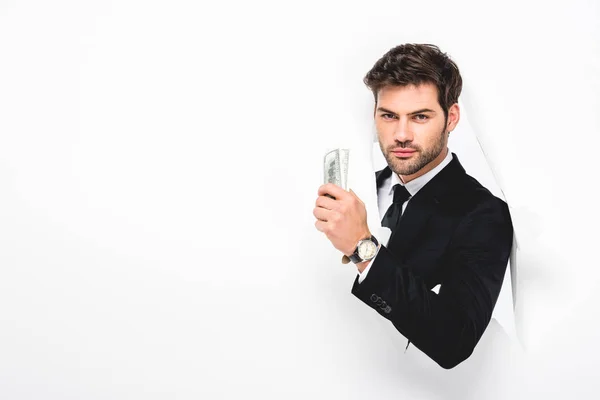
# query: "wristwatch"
366,249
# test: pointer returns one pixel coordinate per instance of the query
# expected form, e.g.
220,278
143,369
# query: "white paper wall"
159,165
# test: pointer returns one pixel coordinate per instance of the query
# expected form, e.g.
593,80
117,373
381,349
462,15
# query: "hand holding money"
343,220
347,215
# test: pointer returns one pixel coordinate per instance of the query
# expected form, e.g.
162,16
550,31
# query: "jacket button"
374,297
387,310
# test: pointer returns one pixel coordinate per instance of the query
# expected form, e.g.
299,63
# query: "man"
447,229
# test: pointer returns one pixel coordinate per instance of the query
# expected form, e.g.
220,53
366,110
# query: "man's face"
410,118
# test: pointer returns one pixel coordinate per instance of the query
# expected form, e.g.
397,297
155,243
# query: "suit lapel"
422,205
382,175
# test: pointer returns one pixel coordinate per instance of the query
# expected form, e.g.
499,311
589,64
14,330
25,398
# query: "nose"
403,132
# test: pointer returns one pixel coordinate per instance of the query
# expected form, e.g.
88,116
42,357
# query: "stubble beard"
419,159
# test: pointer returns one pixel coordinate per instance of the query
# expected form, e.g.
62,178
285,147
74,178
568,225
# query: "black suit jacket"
455,233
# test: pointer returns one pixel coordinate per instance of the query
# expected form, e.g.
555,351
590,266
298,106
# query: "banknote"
333,168
344,158
336,167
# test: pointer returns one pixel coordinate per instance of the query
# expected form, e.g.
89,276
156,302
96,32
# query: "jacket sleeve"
446,326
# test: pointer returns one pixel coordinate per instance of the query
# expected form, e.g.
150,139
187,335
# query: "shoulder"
468,196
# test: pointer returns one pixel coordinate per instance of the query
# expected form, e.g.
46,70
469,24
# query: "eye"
388,116
421,117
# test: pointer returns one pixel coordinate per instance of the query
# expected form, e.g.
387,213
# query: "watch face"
367,249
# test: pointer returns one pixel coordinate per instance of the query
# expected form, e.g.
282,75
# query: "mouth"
403,152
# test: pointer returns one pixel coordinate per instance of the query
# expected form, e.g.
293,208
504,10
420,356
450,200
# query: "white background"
160,161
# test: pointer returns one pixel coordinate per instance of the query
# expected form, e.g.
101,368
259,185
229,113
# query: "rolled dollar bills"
336,167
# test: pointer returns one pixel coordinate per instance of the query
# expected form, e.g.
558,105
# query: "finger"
326,202
320,225
322,214
333,190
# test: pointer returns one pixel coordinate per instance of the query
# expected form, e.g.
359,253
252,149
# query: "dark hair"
417,64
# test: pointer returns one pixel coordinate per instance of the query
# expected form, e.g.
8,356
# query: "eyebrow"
423,110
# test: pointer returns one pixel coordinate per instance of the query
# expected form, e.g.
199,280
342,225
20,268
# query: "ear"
453,117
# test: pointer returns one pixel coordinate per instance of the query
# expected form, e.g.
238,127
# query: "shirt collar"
416,184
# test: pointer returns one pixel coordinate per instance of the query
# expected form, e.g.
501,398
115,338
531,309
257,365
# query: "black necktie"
392,216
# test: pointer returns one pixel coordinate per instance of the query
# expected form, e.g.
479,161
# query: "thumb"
354,194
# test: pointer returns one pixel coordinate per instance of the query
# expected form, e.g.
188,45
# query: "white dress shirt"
385,196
